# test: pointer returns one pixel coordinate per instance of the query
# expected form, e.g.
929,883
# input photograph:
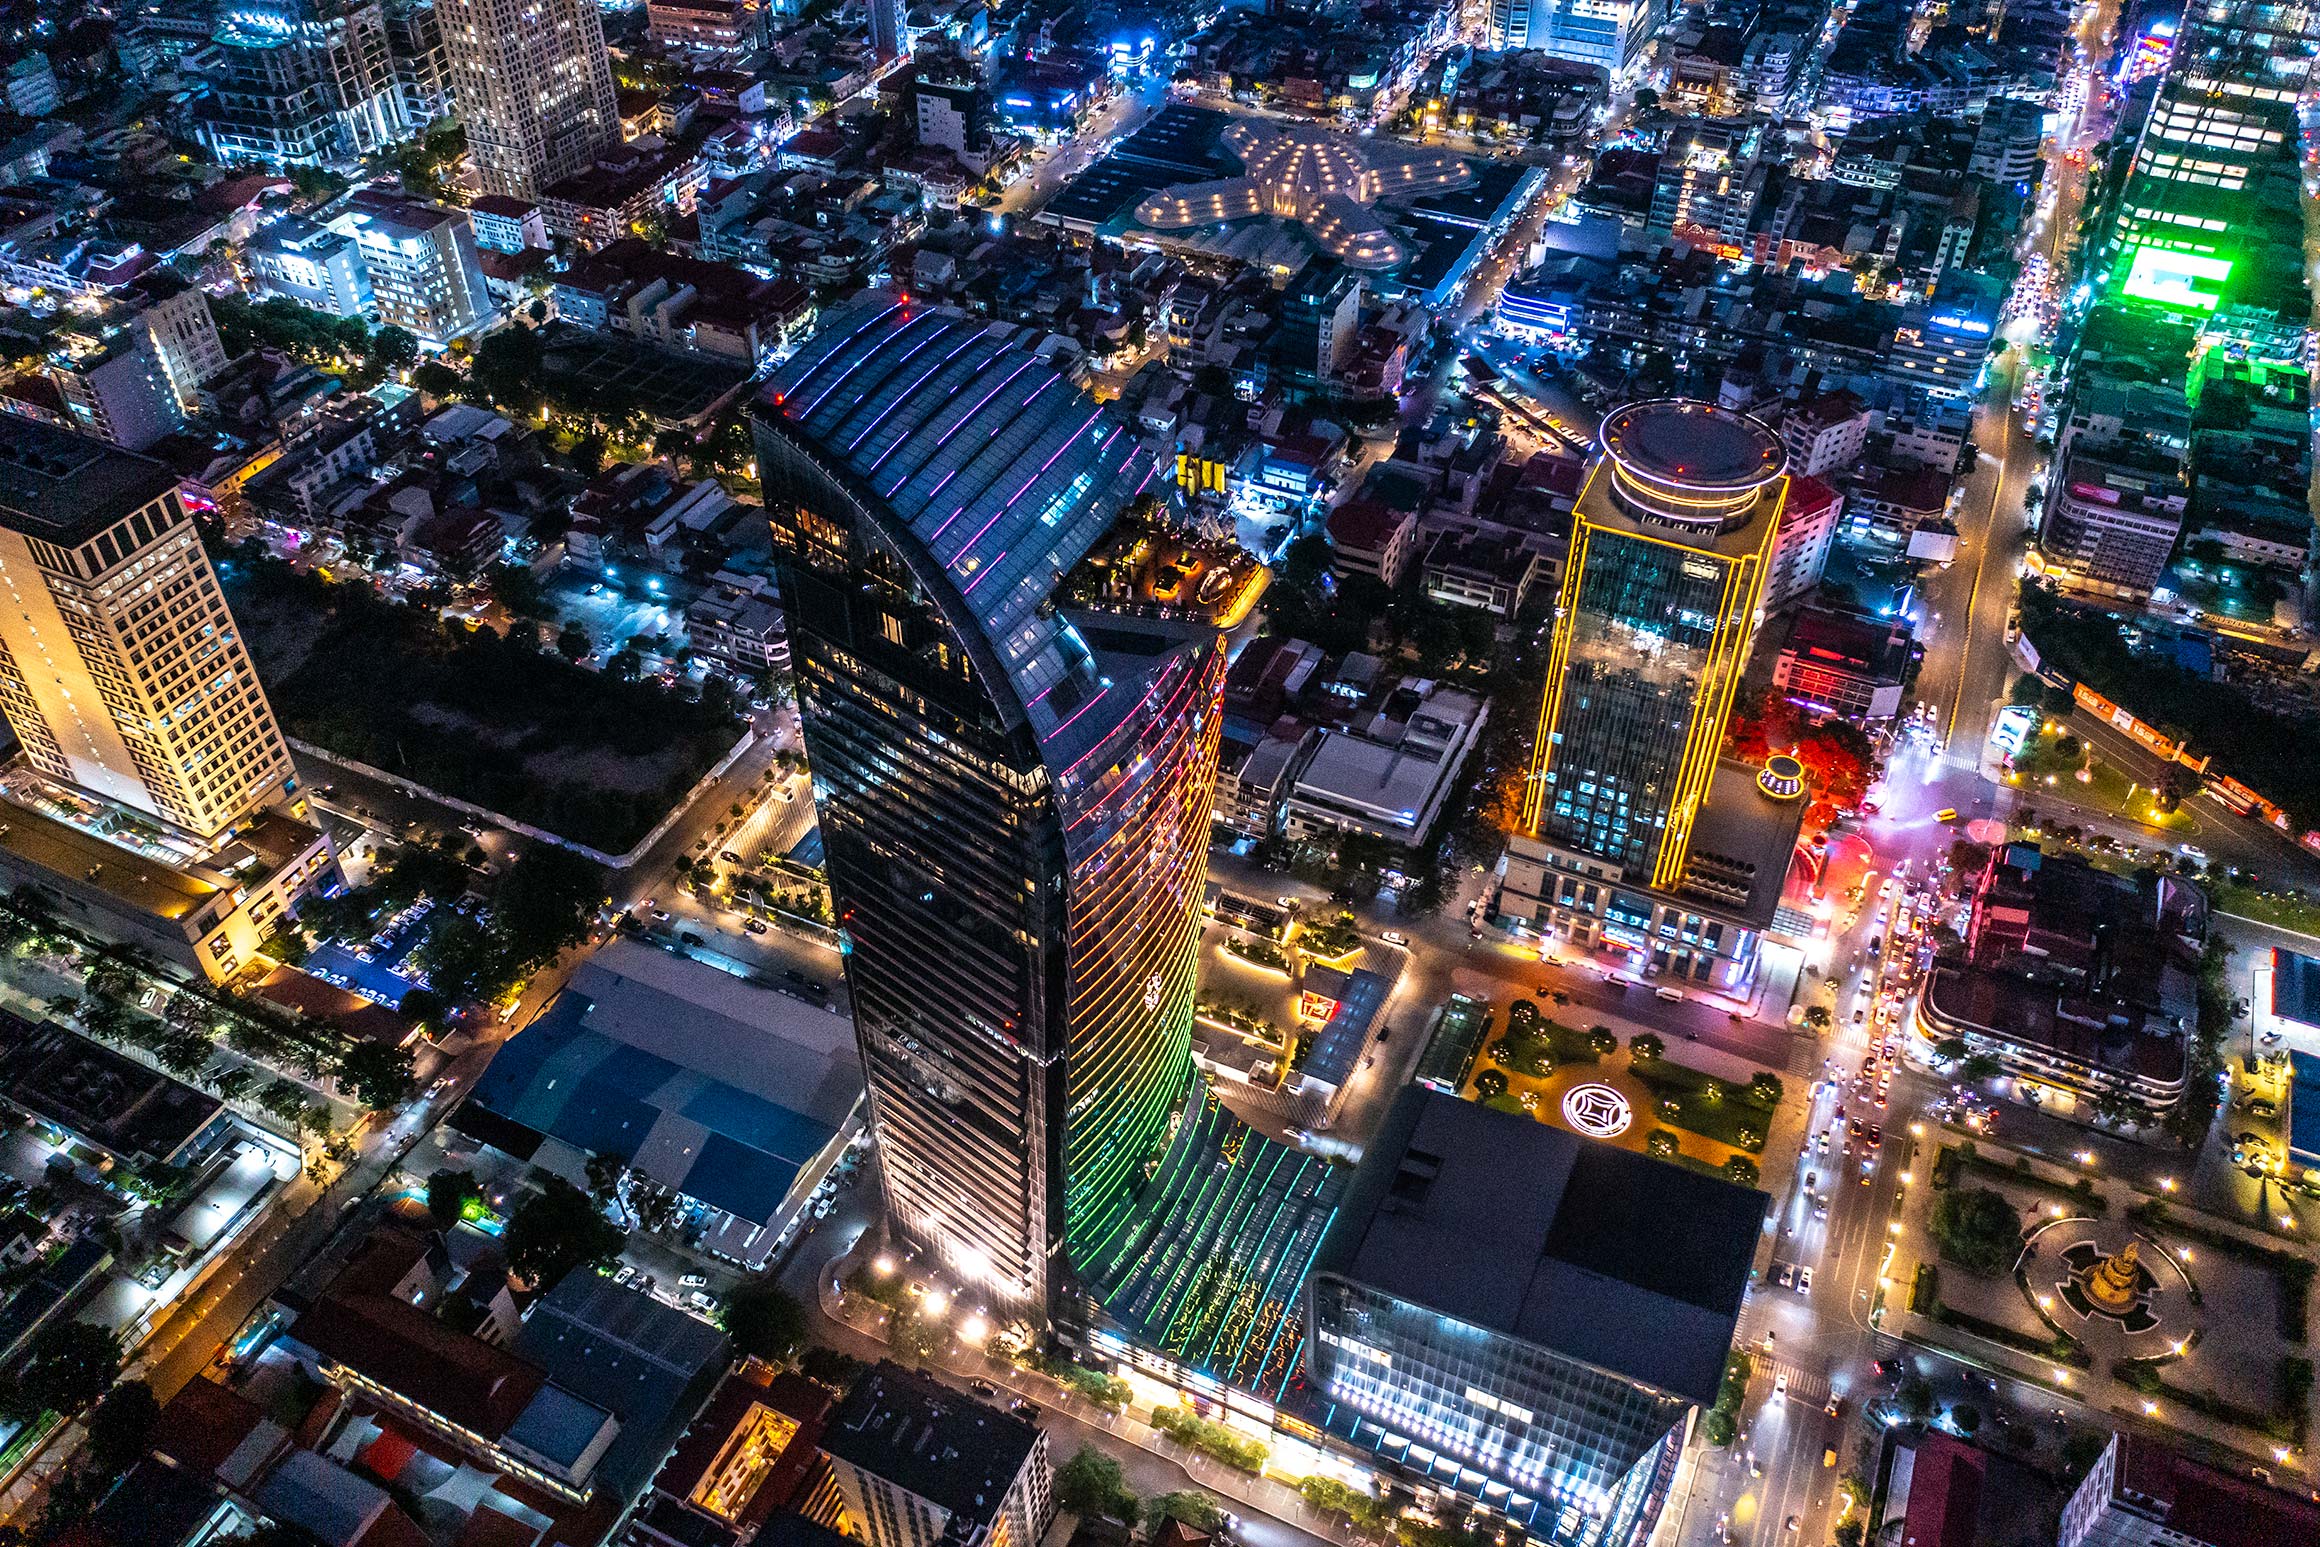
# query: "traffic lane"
2265,846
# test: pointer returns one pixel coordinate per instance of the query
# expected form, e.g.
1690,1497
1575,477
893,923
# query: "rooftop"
1599,1254
713,1087
911,1430
2201,1504
622,1352
64,487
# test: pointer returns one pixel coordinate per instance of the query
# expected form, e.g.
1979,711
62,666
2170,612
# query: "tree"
284,1099
448,1194
1742,1170
829,1366
391,349
911,1335
1950,1049
1645,1048
1194,1508
1977,1229
1914,1400
546,901
1328,1493
1851,1532
765,1320
573,642
1091,1483
605,1170
465,961
437,380
1818,1017
1661,1142
72,1363
1765,1090
380,1076
121,1426
507,369
1965,1418
1601,1041
558,1229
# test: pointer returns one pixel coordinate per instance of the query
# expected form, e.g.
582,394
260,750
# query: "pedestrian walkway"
1265,1494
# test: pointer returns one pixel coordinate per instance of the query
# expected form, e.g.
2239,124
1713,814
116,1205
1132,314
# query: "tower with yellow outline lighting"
1669,545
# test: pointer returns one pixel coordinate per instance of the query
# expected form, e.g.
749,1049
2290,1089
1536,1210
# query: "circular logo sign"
1597,1111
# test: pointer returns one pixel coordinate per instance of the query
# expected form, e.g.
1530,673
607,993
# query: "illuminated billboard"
2183,281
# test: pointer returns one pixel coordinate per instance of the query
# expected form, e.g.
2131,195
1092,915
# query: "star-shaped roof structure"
1322,180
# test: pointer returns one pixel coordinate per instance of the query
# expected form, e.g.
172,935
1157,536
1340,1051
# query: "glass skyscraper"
1525,1314
1014,798
1669,545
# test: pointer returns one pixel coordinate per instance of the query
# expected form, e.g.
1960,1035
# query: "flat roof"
1380,778
1602,1255
64,487
1698,445
83,859
711,1086
103,1097
959,1454
1742,826
2296,988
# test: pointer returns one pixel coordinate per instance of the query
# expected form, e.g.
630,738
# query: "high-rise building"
1501,1297
922,1465
534,88
1669,546
113,384
121,671
302,83
1609,33
421,65
420,257
889,29
2194,227
1014,798
1320,323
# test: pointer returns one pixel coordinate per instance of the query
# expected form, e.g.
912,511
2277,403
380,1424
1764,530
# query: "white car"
1394,937
1804,1280
1780,1384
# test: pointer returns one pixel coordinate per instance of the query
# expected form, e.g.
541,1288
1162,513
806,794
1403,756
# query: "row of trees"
1093,1484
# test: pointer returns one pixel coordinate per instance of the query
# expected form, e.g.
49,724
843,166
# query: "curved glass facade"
1014,803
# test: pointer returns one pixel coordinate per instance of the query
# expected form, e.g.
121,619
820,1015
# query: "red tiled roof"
1945,1494
203,1425
1364,525
2211,1506
462,1379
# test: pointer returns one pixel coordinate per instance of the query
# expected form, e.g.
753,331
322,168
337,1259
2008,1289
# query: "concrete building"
922,1465
1800,549
1825,434
2080,983
1609,33
1846,664
534,86
313,265
424,273
2141,1493
301,83
1391,778
115,387
1367,537
507,225
2113,521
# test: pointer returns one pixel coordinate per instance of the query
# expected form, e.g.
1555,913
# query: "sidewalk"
1264,1494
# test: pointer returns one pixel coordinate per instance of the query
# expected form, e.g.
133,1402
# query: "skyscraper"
1014,797
302,83
889,29
1668,551
534,88
121,671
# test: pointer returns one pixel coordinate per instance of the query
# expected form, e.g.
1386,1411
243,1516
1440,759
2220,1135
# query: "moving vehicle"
1946,814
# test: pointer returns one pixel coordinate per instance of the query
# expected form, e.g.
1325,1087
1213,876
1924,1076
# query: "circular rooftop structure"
1692,463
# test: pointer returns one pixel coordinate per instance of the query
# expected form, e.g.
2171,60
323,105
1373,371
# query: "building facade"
1609,33
121,671
1570,1386
303,83
315,266
1015,806
424,273
534,87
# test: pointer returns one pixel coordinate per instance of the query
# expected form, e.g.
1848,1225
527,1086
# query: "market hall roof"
1318,178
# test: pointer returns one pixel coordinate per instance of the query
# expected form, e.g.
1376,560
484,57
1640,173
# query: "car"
694,1281
1023,1407
701,1300
627,1270
1804,1280
1784,1274
1792,1522
982,1388
1861,1015
729,857
690,938
1820,1208
1394,937
659,915
1946,814
1780,1384
753,926
1671,995
1836,1406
